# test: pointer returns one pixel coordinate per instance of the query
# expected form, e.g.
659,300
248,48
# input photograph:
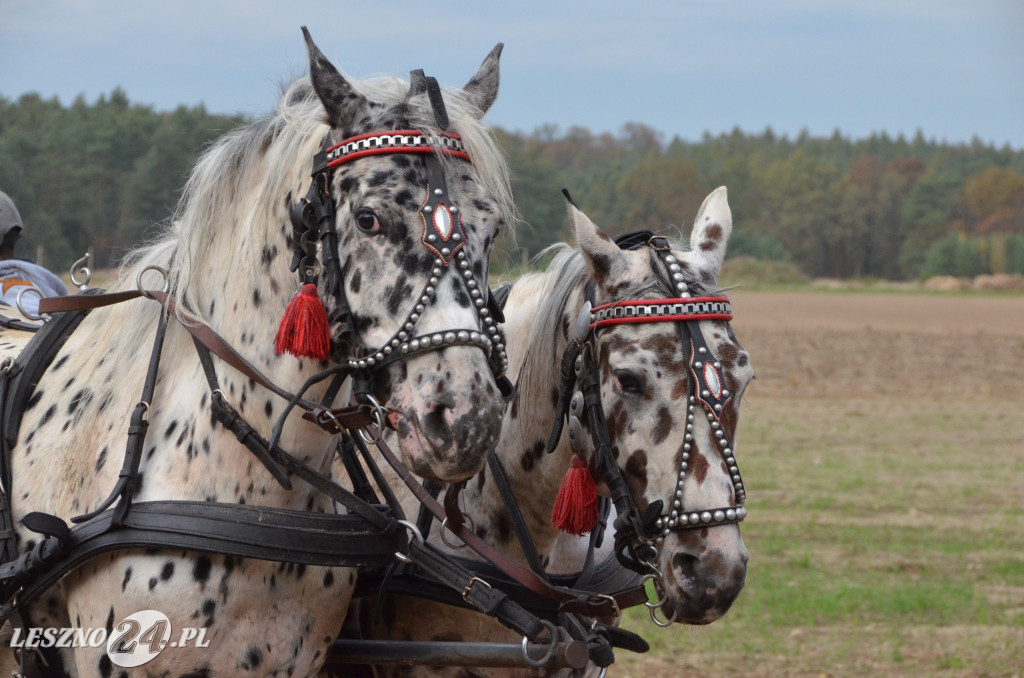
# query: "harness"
372,534
637,533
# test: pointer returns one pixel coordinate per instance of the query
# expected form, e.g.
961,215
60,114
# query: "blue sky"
952,68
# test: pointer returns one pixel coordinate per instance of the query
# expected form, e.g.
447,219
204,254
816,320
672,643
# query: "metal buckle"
605,596
469,587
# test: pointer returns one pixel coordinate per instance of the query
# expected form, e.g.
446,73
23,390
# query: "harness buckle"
469,587
616,611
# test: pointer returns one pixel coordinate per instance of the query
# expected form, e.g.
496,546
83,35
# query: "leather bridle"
443,236
638,533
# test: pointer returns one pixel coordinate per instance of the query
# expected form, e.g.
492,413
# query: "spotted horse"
637,330
391,237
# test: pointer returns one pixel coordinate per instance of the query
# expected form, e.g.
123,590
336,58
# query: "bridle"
443,236
638,533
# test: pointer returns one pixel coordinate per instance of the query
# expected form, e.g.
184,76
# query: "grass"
883,542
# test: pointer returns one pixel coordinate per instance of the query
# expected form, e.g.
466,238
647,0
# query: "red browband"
660,310
397,141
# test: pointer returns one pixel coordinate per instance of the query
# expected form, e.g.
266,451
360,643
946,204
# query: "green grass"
899,553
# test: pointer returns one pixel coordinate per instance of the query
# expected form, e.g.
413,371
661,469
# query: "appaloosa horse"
672,442
416,192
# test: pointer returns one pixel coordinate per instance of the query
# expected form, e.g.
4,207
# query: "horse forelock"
236,193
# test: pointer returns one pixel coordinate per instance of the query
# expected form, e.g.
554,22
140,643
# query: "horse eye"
630,382
367,221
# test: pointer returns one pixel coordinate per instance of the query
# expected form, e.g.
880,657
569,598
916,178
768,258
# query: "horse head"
670,389
418,193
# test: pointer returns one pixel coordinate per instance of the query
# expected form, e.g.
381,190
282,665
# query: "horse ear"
482,88
601,254
711,231
342,103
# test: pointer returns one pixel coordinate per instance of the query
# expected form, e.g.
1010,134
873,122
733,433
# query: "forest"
103,175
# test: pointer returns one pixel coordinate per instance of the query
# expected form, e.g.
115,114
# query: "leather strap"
580,602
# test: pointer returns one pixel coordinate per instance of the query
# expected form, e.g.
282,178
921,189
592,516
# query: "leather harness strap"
580,602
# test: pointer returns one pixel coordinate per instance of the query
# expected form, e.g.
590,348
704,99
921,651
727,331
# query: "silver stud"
413,317
431,238
362,364
436,272
678,277
428,290
475,294
719,516
699,365
455,236
438,191
414,345
725,393
705,517
731,514
471,284
437,339
461,254
702,350
428,208
419,307
686,455
370,362
474,337
674,267
388,350
669,259
693,518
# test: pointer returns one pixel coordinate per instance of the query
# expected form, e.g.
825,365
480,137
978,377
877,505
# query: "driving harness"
636,532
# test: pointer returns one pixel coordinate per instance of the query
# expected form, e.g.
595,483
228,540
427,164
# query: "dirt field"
883,451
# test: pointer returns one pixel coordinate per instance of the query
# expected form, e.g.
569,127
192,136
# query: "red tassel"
575,509
304,331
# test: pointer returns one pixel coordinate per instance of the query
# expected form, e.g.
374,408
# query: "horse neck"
534,475
233,257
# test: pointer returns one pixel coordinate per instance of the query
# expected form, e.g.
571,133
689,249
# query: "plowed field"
882,446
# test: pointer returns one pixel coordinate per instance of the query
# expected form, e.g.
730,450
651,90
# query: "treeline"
100,175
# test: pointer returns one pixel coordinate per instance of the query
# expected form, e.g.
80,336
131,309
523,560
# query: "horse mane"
246,173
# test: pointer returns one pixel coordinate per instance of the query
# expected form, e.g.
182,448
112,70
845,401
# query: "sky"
953,69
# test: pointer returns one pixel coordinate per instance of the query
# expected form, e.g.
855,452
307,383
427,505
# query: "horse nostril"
685,567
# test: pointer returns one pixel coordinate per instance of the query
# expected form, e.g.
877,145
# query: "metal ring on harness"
21,309
416,533
663,624
542,662
82,265
661,602
145,292
378,416
444,526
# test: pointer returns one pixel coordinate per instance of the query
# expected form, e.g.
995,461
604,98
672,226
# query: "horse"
409,197
668,454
